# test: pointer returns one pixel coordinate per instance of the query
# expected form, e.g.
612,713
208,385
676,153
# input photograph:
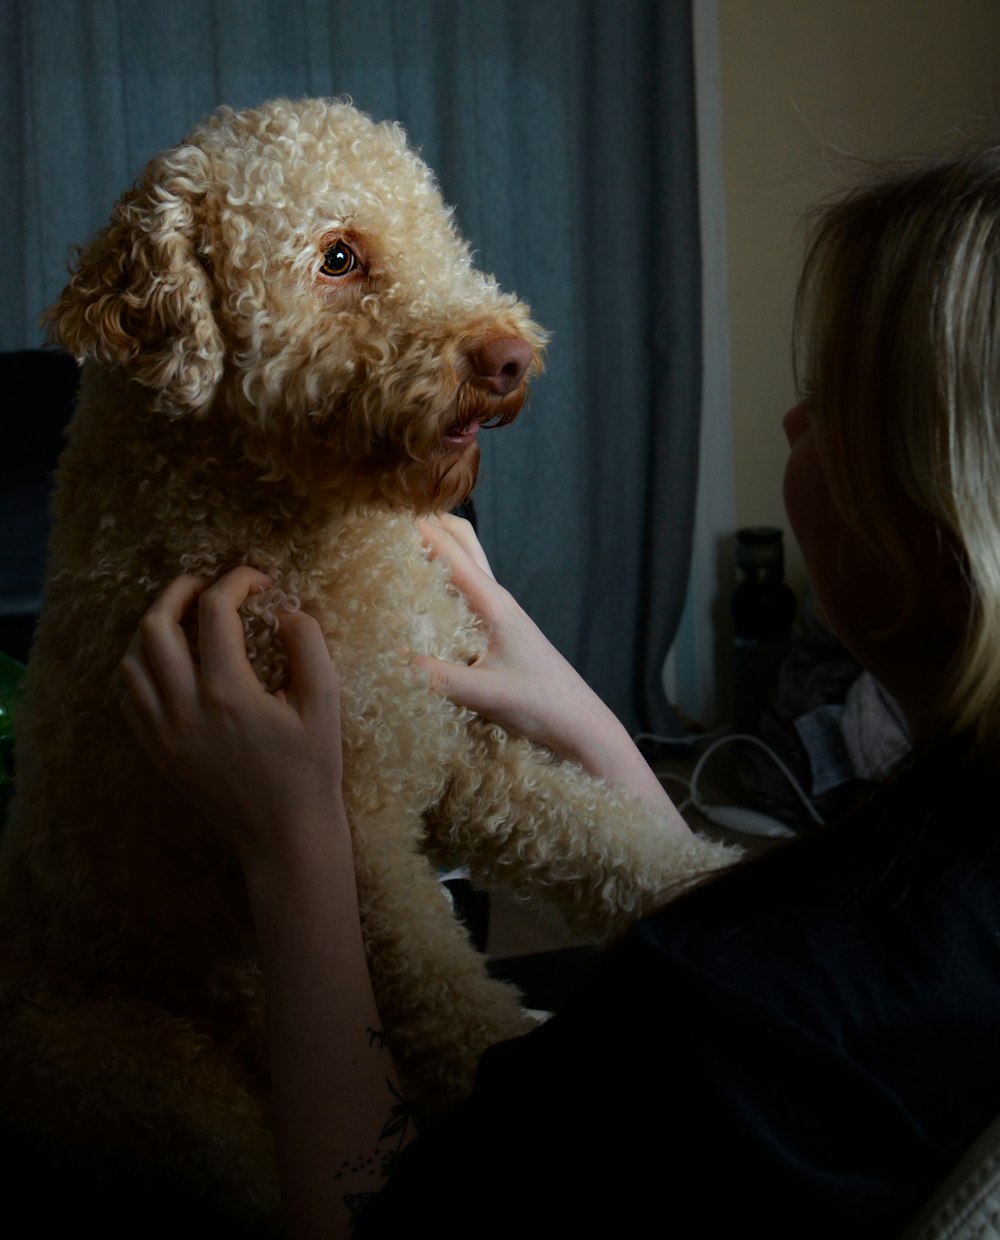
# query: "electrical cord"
736,817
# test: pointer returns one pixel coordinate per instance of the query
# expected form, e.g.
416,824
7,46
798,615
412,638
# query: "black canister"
763,612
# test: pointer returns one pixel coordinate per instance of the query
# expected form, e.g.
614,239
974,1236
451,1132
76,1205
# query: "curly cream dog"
289,356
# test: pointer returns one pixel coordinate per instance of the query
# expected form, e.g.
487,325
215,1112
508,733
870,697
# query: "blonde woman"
805,1044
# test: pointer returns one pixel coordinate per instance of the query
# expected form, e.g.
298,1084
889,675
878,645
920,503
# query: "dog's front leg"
440,1007
520,818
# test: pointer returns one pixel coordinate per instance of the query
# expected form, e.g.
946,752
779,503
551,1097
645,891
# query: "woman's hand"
523,683
247,759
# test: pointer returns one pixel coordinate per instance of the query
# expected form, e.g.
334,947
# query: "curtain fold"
563,130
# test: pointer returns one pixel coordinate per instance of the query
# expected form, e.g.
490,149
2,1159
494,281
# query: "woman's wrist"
305,848
594,738
334,1082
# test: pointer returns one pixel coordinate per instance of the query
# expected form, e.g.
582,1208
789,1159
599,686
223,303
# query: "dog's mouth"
480,410
460,436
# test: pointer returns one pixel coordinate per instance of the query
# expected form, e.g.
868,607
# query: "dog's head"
294,267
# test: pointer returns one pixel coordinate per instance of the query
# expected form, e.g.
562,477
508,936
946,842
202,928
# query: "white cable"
689,738
663,776
753,740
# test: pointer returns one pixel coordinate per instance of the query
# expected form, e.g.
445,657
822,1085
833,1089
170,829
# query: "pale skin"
265,769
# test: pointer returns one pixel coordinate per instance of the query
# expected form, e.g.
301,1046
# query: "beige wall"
802,82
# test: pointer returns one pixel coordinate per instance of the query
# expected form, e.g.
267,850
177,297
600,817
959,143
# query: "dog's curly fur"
253,397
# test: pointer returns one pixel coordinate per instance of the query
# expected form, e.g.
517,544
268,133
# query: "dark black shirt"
806,1045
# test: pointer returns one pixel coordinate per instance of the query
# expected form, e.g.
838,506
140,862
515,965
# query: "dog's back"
131,1009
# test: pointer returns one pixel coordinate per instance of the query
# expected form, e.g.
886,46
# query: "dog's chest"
382,595
383,603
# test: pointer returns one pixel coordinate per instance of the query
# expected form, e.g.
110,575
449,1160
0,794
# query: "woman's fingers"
464,534
471,574
312,675
142,686
160,645
147,726
142,691
220,630
447,533
478,689
158,668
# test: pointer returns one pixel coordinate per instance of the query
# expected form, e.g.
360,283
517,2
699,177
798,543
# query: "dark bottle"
763,611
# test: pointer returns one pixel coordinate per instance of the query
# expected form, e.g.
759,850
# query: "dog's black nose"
500,363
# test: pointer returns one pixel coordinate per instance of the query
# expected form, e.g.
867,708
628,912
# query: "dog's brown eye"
339,260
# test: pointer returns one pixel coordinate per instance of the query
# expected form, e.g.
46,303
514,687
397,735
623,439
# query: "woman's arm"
265,770
523,683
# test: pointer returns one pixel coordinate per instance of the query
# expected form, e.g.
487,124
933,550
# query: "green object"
11,677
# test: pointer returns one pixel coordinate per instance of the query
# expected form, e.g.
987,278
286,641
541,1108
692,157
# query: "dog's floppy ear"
140,297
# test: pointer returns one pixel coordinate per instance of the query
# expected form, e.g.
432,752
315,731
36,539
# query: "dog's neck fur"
240,508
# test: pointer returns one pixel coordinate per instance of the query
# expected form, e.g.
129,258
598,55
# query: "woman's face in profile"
903,634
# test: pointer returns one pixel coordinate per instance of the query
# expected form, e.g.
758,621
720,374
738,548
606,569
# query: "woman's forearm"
340,1117
601,745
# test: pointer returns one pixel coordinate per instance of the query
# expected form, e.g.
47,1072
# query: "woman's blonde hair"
897,350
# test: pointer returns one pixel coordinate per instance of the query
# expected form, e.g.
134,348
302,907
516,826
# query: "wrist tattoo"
355,1203
380,1162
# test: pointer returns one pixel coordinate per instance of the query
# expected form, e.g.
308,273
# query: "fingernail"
417,675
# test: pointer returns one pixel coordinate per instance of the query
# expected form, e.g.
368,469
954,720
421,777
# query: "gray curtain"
563,130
